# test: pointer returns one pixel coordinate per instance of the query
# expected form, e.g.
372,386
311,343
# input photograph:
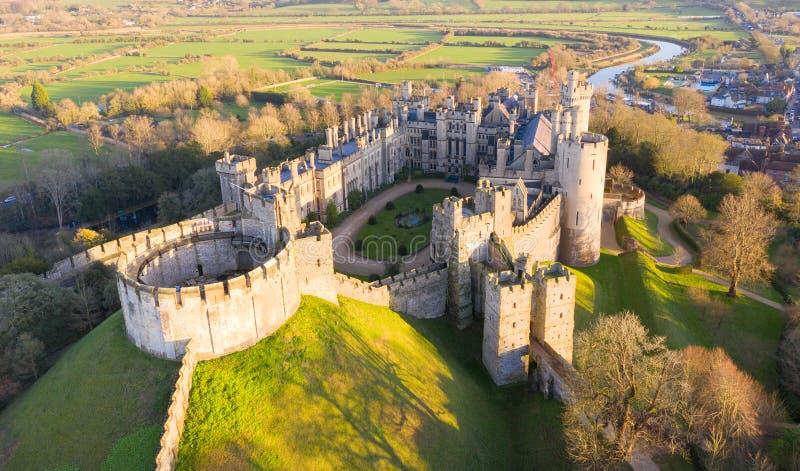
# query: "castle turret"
236,173
581,167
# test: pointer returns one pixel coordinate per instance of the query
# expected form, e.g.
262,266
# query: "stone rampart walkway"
344,235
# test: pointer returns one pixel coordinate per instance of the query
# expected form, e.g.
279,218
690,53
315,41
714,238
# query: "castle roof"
538,133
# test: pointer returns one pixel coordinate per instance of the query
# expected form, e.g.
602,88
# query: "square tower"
506,326
236,173
553,319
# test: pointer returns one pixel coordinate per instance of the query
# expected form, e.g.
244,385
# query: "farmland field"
393,35
358,46
398,75
509,40
516,56
324,88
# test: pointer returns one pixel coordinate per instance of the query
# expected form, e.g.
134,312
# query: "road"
346,261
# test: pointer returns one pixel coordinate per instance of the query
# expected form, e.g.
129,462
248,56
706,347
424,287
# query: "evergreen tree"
40,99
204,97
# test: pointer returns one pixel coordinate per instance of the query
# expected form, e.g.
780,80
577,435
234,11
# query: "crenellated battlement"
547,210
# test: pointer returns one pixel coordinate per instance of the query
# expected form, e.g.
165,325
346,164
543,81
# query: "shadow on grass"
358,387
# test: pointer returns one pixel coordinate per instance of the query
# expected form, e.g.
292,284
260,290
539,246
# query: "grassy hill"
361,387
683,307
101,406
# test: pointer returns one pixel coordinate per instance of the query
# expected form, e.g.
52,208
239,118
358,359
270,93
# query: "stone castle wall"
419,293
625,200
539,237
314,253
219,317
137,242
176,412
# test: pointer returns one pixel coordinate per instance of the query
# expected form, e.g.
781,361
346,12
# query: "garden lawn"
382,240
683,307
13,128
645,232
362,387
103,401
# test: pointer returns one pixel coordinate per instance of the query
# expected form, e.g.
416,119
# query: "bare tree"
689,102
95,137
686,209
313,119
138,132
329,115
291,118
728,412
264,128
57,179
764,189
212,132
737,243
632,383
620,174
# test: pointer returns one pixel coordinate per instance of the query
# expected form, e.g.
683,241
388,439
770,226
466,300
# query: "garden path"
683,254
346,261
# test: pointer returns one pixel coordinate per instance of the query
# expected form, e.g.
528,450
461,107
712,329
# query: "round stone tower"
581,173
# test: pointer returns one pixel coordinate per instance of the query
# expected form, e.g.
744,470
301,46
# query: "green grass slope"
101,406
685,308
360,387
645,232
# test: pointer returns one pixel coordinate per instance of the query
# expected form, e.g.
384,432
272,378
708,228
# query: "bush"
690,240
25,265
354,200
374,277
390,206
331,213
419,188
358,245
372,221
312,216
454,192
402,250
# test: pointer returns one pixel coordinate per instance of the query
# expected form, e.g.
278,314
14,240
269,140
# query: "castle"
231,276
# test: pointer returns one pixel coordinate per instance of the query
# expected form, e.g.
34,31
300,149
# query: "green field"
20,161
371,46
685,308
515,56
362,387
382,240
438,74
92,88
393,35
14,128
645,232
324,88
509,40
103,401
345,57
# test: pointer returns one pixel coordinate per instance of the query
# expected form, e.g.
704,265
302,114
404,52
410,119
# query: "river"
604,78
